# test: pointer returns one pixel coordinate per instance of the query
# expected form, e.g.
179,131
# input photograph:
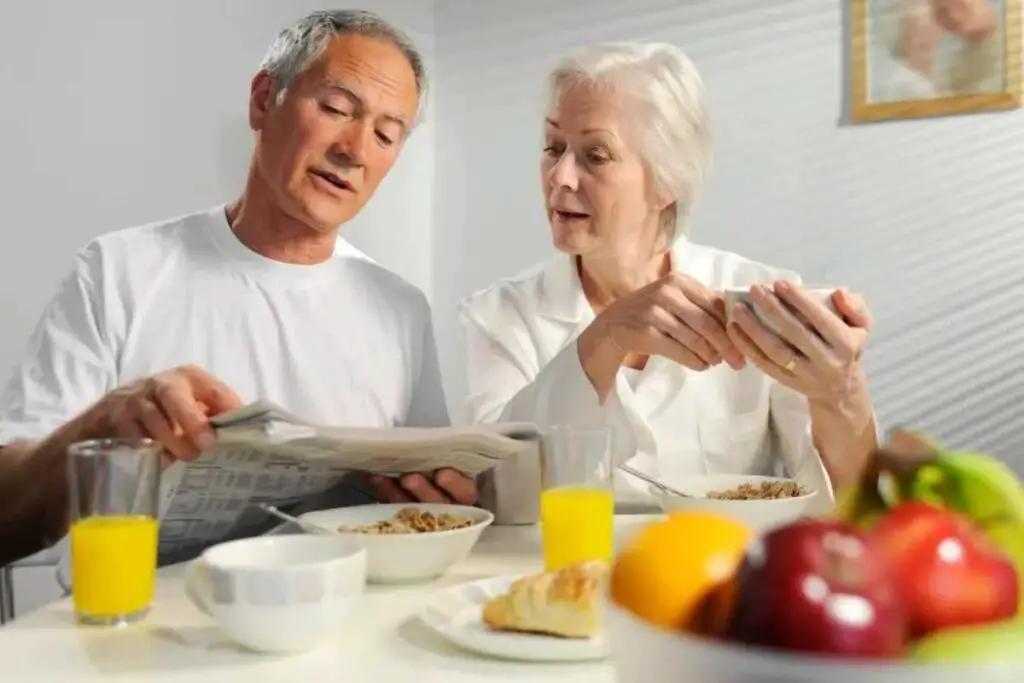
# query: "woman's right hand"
675,317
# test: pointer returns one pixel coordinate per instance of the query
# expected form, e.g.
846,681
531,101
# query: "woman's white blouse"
665,420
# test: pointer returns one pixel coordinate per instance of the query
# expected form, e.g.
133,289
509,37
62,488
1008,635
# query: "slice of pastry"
562,603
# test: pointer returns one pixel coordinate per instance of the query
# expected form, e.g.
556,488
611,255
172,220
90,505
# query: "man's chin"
326,216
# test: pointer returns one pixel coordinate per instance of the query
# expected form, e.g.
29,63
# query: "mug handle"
197,585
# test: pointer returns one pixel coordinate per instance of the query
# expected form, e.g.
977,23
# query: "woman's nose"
564,173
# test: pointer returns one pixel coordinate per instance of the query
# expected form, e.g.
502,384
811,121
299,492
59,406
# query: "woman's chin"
572,242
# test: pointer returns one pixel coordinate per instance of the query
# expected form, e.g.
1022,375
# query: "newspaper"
265,454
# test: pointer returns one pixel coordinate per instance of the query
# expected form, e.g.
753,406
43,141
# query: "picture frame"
891,76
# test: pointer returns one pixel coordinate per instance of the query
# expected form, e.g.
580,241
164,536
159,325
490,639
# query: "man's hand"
448,486
172,408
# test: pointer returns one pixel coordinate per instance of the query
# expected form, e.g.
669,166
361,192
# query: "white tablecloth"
383,642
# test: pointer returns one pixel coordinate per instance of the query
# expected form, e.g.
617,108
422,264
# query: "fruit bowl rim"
782,664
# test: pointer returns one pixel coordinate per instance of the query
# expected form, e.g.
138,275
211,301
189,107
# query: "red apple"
949,573
819,587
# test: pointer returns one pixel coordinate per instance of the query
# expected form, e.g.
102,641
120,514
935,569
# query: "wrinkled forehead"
374,70
581,106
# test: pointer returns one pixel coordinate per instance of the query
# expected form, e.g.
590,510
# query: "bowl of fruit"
759,502
914,578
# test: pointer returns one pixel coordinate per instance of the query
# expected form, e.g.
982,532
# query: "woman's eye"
385,140
553,151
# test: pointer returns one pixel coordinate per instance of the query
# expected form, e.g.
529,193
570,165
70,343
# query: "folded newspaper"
266,455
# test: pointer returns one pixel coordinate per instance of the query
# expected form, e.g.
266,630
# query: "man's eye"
333,111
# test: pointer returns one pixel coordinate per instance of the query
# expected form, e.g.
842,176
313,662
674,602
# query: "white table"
383,642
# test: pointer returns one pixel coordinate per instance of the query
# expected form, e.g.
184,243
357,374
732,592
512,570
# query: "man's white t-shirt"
344,342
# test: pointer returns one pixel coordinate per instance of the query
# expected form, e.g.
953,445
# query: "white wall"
926,218
119,112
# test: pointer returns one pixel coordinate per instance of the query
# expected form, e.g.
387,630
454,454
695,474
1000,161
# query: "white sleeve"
69,363
500,389
791,423
427,407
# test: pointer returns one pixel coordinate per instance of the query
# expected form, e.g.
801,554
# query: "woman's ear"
668,217
669,211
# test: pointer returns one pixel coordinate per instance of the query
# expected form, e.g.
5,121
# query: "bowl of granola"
407,542
760,502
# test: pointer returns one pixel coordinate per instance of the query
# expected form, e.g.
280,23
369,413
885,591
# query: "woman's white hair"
673,122
297,46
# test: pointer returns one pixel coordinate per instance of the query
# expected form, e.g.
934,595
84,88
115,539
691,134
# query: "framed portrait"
918,58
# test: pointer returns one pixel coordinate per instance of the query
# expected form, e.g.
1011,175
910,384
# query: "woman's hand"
816,352
675,317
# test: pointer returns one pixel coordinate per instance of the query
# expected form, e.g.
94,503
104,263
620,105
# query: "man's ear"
262,97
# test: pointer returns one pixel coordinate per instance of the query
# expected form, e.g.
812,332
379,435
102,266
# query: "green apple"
998,642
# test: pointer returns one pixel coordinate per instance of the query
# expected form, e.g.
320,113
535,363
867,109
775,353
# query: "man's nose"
349,149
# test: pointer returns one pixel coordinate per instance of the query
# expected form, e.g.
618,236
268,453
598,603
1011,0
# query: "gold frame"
863,111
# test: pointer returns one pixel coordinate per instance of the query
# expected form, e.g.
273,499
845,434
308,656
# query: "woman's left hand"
818,356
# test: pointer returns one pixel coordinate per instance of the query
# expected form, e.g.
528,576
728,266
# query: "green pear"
1000,642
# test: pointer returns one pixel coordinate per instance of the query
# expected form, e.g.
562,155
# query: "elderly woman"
625,327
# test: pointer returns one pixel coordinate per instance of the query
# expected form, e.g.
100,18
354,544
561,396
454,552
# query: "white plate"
456,614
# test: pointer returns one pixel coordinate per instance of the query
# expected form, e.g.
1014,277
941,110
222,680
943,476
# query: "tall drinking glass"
114,488
577,503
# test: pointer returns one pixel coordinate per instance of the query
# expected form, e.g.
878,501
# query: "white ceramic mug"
822,293
279,594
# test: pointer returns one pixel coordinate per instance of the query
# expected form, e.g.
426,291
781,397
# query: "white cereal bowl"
642,653
406,558
759,515
279,594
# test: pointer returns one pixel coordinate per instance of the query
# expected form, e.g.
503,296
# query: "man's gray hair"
677,142
296,47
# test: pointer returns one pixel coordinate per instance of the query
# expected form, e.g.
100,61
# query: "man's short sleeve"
69,362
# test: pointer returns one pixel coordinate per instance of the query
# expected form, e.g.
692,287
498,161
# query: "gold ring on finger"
790,366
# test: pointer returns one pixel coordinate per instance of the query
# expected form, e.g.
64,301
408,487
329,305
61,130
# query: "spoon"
653,482
308,527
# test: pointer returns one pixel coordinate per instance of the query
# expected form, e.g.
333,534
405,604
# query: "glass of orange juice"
577,504
114,488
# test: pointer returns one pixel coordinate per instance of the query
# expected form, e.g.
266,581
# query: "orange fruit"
676,573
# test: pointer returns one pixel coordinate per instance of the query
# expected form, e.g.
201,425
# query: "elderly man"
159,327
